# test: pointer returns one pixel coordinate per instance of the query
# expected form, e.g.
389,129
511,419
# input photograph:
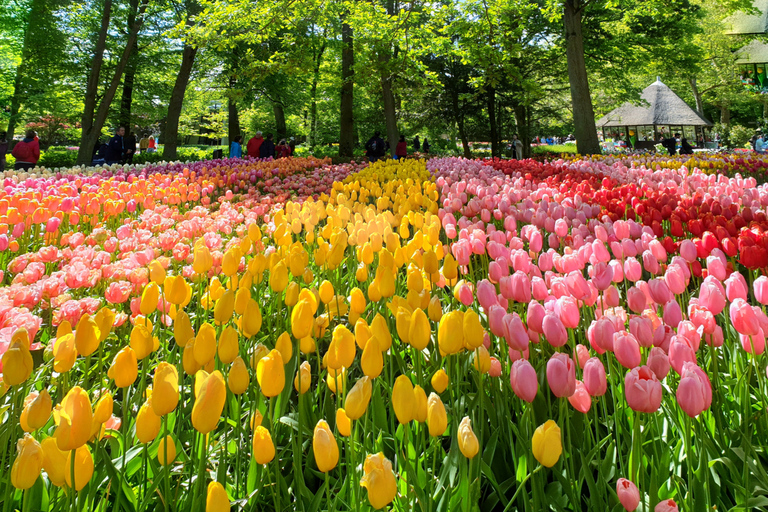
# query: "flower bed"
509,335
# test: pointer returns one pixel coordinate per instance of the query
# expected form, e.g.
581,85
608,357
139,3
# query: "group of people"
259,147
759,142
26,152
121,148
376,148
670,144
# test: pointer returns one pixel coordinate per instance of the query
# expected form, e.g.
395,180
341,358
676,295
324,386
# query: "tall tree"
347,120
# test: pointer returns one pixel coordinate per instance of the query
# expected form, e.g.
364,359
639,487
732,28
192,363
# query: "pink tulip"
539,288
658,250
561,375
736,287
680,352
486,294
675,279
626,349
600,335
581,354
753,343
554,330
694,392
650,263
495,272
496,320
658,362
688,250
716,268
636,300
715,339
465,294
521,287
712,295
666,506
594,377
515,355
701,317
642,390
611,297
642,329
743,317
659,291
691,333
525,383
515,333
568,311
760,287
577,285
672,313
632,270
580,399
535,316
602,276
495,370
628,494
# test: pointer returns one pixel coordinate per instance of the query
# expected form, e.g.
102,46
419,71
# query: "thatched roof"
664,108
756,52
742,23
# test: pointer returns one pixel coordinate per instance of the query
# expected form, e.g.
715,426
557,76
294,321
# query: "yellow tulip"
431,265
303,379
242,296
182,329
291,294
450,267
468,443
141,341
278,277
216,499
337,379
163,457
419,330
379,480
372,360
473,330
435,309
343,423
64,353
362,333
284,345
209,403
437,418
256,419
374,294
225,307
83,468
175,289
102,411
156,272
302,319
251,322
147,423
403,324
165,389
54,461
17,361
450,333
358,398
414,281
149,298
230,262
202,259
105,319
75,420
191,367
125,368
205,344
215,290
238,378
28,464
270,373
403,400
307,345
326,292
482,360
342,350
263,447
325,447
259,352
420,408
440,381
547,444
357,300
229,346
36,412
380,330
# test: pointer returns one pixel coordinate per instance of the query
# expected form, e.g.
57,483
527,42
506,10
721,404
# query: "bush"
739,136
57,158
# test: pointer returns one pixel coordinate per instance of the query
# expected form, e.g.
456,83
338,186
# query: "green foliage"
54,158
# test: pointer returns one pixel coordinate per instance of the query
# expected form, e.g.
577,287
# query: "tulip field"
585,334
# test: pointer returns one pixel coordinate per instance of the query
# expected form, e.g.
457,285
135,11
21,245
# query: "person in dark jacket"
401,150
375,147
685,148
670,144
3,150
425,146
416,144
130,147
116,145
267,148
26,152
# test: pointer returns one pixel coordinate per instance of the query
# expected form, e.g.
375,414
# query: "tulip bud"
149,298
468,443
165,386
28,464
64,354
421,406
358,398
141,341
216,499
325,447
147,423
450,333
175,289
205,344
75,420
629,496
102,411
224,308
303,379
83,468
372,360
357,301
437,418
341,352
209,402
125,368
238,378
203,261
104,319
380,330
54,461
343,423
270,374
278,277
167,455
284,345
229,346
435,309
403,399
379,480
251,321
263,447
17,360
419,331
482,360
547,444
302,319
231,261
36,412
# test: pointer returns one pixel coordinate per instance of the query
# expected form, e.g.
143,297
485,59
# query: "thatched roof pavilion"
664,114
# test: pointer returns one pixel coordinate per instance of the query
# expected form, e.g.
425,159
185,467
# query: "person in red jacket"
254,144
401,150
27,152
282,150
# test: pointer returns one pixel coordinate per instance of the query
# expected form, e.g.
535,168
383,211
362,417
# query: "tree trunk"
233,120
725,113
279,110
130,74
177,102
15,103
696,96
347,118
521,119
464,138
92,131
491,98
389,105
583,113
313,96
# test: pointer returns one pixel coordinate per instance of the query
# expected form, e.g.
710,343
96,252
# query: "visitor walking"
282,150
143,144
760,144
517,146
401,150
26,152
254,144
416,144
375,147
267,148
670,144
116,147
130,147
425,146
151,145
236,149
685,148
3,150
